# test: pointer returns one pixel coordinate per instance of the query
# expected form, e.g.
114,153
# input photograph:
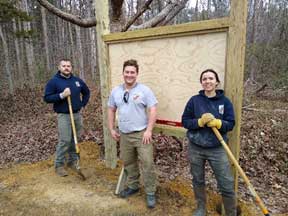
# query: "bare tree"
45,37
29,47
7,62
18,73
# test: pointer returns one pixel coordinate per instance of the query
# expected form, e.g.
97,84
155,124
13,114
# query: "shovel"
121,181
241,172
77,165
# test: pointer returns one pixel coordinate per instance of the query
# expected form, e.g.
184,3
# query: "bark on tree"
157,19
80,52
29,48
19,64
92,39
7,62
72,45
174,12
116,14
253,60
45,38
138,14
86,23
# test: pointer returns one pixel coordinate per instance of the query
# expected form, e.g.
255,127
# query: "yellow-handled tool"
75,138
73,125
241,172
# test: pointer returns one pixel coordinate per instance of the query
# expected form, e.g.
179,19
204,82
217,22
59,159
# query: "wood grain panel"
171,67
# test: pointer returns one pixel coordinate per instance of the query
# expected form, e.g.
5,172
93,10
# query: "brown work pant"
132,149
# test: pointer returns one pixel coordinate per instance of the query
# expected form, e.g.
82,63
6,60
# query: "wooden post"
102,27
235,70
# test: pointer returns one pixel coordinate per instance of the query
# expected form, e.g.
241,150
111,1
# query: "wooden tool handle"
241,172
73,125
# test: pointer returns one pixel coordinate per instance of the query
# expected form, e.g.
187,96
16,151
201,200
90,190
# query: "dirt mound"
34,189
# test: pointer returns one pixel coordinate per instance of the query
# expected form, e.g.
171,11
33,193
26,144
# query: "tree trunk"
92,42
45,37
196,10
253,60
60,34
208,9
72,45
22,56
80,52
19,72
93,53
29,48
7,62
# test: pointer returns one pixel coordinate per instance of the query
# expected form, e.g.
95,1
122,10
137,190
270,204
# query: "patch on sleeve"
77,83
221,109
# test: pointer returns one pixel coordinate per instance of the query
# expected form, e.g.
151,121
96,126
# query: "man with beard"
62,85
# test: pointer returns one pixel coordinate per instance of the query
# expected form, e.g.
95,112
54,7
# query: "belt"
134,131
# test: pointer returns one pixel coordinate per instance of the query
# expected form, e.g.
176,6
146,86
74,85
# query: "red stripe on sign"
167,122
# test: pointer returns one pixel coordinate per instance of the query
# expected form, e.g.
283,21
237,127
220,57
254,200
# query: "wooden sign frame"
234,25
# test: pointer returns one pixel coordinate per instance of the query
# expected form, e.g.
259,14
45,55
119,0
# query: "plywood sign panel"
171,67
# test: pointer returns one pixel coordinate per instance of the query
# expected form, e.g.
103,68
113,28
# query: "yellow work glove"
205,118
215,123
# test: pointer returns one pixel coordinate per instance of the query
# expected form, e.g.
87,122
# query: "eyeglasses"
126,97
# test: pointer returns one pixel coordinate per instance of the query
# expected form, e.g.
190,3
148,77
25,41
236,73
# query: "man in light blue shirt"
133,100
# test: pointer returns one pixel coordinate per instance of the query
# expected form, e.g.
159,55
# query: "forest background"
32,39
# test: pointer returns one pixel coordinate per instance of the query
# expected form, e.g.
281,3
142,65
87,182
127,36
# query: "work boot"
73,165
60,171
200,196
128,192
229,206
150,200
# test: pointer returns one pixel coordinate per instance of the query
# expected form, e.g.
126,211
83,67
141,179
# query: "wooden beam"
235,70
170,131
201,27
102,27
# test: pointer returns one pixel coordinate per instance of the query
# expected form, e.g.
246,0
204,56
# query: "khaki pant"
132,149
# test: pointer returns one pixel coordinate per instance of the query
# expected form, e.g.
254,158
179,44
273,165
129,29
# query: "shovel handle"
121,180
73,124
241,172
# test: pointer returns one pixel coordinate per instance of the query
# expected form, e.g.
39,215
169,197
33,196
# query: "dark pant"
219,163
66,143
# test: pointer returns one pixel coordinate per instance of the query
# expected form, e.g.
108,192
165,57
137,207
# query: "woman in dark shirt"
209,108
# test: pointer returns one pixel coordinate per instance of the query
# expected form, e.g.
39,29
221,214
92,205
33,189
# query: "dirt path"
34,189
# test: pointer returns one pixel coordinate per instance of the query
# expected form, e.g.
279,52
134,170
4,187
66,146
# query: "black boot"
200,196
229,206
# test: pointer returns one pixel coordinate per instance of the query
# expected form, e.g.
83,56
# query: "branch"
86,23
135,17
265,111
174,12
157,19
261,88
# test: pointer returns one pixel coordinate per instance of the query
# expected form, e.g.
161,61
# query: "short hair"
65,59
131,62
212,71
